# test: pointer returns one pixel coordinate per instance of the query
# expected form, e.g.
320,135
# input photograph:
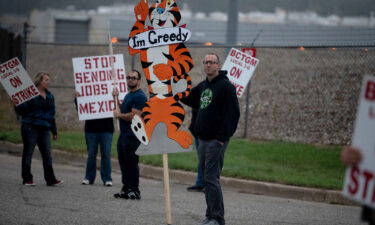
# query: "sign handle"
167,196
114,78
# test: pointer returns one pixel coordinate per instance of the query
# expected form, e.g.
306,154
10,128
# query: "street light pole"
24,43
232,24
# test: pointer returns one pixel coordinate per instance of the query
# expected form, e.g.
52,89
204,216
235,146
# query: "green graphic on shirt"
206,98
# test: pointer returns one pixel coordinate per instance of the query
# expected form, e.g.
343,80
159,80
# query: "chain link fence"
306,95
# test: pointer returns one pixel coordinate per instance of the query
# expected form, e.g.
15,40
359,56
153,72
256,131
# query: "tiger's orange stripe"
182,58
143,58
162,4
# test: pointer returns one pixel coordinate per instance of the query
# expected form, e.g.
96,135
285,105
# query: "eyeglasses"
209,62
132,78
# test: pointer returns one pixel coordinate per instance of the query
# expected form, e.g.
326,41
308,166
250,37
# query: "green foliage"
13,136
280,162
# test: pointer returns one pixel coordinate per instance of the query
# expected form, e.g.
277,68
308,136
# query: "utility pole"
232,24
24,43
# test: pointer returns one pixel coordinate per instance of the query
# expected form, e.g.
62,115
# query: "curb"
188,178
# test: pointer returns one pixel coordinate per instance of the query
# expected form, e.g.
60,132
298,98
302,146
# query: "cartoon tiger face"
164,13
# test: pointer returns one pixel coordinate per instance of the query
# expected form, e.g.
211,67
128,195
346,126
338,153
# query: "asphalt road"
73,203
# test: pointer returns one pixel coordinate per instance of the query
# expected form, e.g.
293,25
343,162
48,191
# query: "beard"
132,86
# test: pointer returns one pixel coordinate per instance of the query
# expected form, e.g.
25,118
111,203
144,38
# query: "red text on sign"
355,186
235,72
15,81
370,91
93,89
9,65
99,89
87,108
24,94
99,62
98,76
239,88
97,107
244,57
105,106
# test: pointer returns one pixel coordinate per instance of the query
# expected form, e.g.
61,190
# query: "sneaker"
130,194
108,183
121,194
195,188
134,195
205,221
56,183
29,183
85,182
212,222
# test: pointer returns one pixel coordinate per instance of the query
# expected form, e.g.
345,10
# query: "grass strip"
275,161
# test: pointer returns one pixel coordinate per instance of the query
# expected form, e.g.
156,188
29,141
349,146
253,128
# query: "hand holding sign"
141,10
14,101
351,156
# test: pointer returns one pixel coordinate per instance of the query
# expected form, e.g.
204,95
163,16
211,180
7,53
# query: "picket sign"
17,82
359,183
240,67
94,81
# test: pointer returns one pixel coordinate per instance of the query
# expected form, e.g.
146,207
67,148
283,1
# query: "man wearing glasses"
127,142
218,114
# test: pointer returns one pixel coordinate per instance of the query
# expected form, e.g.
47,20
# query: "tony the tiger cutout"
161,65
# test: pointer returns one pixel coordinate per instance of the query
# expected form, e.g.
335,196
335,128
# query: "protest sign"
17,82
240,67
94,81
359,183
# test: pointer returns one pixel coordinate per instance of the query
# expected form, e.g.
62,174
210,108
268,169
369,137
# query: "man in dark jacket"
217,119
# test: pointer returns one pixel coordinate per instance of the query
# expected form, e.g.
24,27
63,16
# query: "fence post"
246,109
248,91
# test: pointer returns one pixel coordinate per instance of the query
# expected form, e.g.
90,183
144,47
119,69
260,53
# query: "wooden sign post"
167,194
114,79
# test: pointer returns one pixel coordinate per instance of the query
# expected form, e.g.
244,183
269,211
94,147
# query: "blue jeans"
31,136
199,180
93,140
211,157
